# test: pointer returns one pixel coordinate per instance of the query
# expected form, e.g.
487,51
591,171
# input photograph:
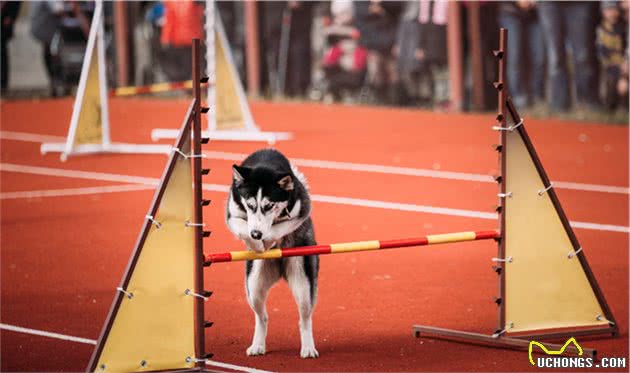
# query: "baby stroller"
344,62
67,50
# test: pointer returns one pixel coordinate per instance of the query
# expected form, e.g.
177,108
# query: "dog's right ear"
239,174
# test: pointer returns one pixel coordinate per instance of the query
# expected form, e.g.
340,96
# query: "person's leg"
395,89
299,66
515,57
375,77
4,62
553,29
610,93
536,48
579,21
50,68
304,77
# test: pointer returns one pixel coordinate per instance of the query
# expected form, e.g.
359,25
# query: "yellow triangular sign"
151,325
89,128
229,112
547,282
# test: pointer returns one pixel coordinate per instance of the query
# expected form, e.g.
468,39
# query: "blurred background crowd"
563,56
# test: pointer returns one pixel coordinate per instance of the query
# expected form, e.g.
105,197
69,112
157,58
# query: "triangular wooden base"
547,289
156,321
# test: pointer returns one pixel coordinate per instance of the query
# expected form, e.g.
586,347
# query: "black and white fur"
269,207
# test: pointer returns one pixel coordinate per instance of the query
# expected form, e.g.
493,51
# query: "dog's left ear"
286,183
239,174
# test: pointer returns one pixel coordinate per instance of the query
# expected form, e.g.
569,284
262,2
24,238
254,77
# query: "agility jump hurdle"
349,247
157,322
89,130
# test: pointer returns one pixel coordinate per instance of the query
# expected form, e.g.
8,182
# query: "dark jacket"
44,21
10,10
378,32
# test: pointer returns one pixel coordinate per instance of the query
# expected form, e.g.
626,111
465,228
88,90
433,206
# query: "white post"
78,102
102,80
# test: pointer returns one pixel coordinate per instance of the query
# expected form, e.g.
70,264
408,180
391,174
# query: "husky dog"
269,207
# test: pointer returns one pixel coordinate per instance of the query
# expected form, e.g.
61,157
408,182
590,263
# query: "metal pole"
252,49
455,56
476,55
338,248
196,149
283,53
121,33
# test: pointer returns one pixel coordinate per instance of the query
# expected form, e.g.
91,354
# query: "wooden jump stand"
187,149
500,336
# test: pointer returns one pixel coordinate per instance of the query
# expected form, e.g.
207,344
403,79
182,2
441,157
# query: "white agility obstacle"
89,124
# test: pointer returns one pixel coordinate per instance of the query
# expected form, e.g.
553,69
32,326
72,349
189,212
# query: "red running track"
367,302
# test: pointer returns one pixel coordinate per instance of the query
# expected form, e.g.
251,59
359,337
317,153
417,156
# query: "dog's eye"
251,206
268,207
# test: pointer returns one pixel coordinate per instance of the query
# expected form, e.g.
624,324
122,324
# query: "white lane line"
49,171
30,137
315,197
347,166
403,207
75,191
64,337
417,172
449,211
239,368
590,187
19,329
360,167
599,227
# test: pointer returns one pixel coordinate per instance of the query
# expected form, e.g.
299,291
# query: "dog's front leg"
301,289
255,245
284,228
258,282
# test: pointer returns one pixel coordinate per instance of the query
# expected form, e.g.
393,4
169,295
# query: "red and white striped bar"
236,256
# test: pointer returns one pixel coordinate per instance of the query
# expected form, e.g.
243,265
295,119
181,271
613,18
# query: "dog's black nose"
257,235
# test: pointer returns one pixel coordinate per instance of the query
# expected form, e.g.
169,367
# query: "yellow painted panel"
251,255
229,111
354,246
157,324
450,237
544,288
89,126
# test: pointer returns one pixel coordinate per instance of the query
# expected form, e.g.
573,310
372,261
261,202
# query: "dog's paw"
308,352
255,350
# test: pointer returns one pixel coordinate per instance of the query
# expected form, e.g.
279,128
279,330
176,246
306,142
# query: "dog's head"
264,194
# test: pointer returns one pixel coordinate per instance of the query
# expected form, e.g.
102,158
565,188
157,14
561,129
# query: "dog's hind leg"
303,289
260,277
